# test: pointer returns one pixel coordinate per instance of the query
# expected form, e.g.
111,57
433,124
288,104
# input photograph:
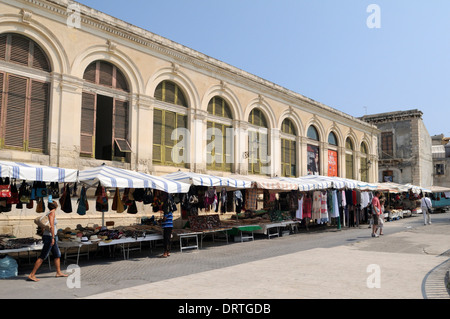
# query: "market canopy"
117,177
268,183
392,187
39,173
208,180
306,184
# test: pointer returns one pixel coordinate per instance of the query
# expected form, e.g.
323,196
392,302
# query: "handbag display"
40,207
5,191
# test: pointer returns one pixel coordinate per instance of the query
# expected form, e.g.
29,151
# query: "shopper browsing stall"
50,244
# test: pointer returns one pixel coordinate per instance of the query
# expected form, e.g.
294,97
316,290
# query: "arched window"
313,134
288,149
333,158
169,125
313,151
170,92
219,148
258,151
105,113
24,97
349,159
364,163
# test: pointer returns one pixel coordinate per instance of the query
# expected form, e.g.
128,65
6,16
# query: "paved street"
409,262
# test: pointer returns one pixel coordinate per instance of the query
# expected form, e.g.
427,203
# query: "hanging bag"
14,199
40,207
5,191
82,203
43,223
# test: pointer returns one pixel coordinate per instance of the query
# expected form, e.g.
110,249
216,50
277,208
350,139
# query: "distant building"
441,160
404,148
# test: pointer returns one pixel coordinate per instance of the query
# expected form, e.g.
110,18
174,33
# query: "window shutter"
40,61
159,92
106,74
157,135
121,126
16,112
38,124
90,72
88,118
2,76
169,92
20,48
3,47
121,81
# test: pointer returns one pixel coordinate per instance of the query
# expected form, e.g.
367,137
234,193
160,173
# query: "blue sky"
322,49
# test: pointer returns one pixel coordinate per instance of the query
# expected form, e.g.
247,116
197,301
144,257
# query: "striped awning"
117,177
208,180
39,173
268,183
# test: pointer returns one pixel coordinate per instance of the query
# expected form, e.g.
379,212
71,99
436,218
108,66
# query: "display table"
66,245
124,243
266,228
184,237
212,232
28,249
244,229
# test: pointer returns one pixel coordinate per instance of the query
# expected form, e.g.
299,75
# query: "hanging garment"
251,198
117,203
335,211
307,206
316,206
223,201
299,212
324,207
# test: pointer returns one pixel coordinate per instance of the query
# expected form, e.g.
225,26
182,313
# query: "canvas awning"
39,173
117,177
268,183
208,180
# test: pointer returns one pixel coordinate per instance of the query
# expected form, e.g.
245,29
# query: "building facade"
441,160
405,150
79,88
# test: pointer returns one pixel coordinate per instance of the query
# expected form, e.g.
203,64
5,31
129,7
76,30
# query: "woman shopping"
50,241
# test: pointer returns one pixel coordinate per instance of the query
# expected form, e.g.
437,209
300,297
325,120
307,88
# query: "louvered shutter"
40,61
20,48
3,46
90,72
2,81
16,112
157,135
121,81
169,92
170,124
88,118
159,92
38,124
106,74
121,126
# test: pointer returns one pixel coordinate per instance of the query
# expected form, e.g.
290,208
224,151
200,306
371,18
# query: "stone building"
79,88
405,151
441,161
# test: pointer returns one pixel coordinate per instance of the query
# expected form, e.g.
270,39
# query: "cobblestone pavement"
322,263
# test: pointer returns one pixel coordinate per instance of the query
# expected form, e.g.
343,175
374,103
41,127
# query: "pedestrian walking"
167,225
50,240
376,211
426,206
381,216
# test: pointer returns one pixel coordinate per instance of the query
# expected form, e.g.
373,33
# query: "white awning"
116,177
39,173
268,183
208,180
